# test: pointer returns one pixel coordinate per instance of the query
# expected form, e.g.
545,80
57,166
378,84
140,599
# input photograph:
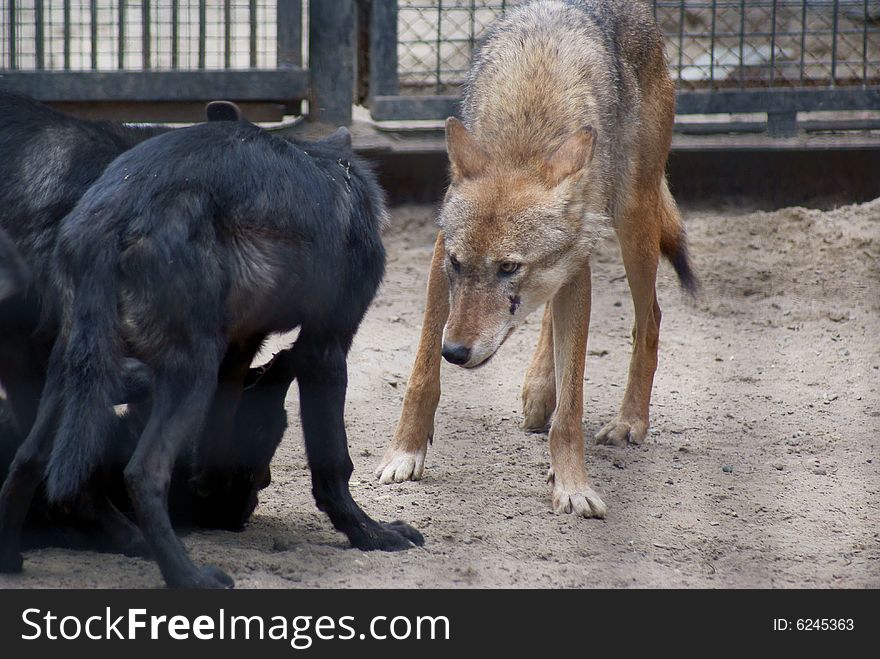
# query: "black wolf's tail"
92,365
673,242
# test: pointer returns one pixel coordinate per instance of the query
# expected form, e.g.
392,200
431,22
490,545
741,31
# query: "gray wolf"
567,122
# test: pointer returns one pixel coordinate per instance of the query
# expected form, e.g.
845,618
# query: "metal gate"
170,53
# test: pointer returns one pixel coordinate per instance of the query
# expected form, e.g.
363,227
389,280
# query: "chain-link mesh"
435,40
710,43
137,34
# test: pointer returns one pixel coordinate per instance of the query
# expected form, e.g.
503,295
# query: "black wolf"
49,161
260,423
190,247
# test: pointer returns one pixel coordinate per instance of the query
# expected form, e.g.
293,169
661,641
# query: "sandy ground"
762,467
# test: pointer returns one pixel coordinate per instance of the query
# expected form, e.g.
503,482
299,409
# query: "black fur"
13,272
681,262
192,245
48,161
259,426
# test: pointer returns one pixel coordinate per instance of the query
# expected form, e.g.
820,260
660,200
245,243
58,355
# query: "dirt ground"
762,467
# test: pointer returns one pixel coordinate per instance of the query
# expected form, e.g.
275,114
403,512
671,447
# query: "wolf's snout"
456,353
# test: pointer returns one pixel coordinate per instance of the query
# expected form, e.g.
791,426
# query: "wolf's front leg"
404,458
322,375
568,475
539,387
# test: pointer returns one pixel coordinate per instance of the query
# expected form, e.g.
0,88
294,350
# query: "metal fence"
710,43
774,56
75,35
155,51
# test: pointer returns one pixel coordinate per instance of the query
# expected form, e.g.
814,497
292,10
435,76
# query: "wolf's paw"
582,500
208,577
621,432
398,466
391,536
538,406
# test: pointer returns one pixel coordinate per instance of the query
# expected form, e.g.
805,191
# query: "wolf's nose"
456,353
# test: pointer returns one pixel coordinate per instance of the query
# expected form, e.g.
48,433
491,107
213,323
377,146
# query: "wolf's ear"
222,111
572,157
466,158
339,140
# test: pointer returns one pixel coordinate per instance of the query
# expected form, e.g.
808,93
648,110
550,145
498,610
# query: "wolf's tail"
673,241
92,363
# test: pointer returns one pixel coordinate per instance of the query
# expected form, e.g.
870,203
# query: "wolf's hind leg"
27,469
214,455
639,236
568,474
182,398
539,387
404,458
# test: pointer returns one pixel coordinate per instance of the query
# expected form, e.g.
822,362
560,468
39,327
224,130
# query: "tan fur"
405,457
554,151
539,387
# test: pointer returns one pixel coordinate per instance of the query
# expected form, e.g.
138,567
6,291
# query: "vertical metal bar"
12,62
145,21
93,32
252,15
834,44
472,41
202,33
865,46
782,124
473,24
383,48
680,38
39,35
289,26
66,35
712,44
803,38
439,34
120,55
773,43
742,43
332,38
227,33
175,33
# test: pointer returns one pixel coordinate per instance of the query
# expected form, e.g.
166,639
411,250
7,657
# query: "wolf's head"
514,233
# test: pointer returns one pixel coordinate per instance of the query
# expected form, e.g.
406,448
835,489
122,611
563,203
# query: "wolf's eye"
507,268
455,264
